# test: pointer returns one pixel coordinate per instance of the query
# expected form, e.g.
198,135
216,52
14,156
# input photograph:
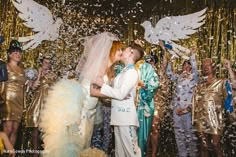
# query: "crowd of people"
117,102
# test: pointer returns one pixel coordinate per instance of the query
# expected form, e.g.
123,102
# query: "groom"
123,110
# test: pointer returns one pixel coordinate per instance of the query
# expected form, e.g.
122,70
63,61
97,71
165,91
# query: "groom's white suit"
123,111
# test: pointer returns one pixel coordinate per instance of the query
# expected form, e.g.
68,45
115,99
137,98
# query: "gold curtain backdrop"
215,39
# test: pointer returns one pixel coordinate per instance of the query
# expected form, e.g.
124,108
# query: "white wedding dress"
67,119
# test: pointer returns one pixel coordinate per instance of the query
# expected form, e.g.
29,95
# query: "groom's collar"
129,66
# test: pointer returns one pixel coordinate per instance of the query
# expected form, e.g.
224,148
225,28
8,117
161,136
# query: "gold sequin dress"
208,103
34,109
12,92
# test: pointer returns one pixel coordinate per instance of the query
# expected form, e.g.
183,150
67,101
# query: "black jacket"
3,71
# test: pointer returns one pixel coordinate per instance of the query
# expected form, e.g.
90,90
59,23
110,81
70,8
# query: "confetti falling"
88,17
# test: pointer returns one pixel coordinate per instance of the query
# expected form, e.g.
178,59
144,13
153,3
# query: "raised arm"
232,75
164,63
194,65
170,73
165,66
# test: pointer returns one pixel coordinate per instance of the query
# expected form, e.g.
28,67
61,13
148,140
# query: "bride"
67,119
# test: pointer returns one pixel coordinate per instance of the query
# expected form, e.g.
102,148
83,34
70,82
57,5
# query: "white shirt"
123,110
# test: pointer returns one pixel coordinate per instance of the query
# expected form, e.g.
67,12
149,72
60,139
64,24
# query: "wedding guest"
147,87
13,92
41,86
208,109
182,105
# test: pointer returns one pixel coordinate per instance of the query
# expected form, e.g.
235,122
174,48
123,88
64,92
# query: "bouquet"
31,75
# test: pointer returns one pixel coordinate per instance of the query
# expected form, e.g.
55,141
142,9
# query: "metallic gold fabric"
216,38
208,104
1,146
34,109
13,95
163,96
93,152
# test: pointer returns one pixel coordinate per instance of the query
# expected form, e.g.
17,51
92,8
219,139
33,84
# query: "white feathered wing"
40,19
174,28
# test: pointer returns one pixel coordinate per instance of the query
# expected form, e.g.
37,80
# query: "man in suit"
123,110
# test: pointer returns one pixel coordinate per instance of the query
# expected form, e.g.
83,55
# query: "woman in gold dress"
41,86
12,92
208,109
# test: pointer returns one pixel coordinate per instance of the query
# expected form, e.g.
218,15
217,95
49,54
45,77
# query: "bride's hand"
99,81
93,89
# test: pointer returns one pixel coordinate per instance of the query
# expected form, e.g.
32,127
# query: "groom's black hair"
140,52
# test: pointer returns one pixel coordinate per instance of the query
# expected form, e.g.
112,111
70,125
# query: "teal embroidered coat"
145,102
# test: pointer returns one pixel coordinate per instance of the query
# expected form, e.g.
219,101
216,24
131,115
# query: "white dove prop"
40,19
174,28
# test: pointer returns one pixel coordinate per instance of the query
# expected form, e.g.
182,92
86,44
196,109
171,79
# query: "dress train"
67,119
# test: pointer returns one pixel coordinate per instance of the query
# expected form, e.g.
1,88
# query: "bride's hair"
116,45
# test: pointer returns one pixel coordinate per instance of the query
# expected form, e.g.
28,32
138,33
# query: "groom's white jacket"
123,93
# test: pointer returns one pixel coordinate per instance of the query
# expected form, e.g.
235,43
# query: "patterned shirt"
185,83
